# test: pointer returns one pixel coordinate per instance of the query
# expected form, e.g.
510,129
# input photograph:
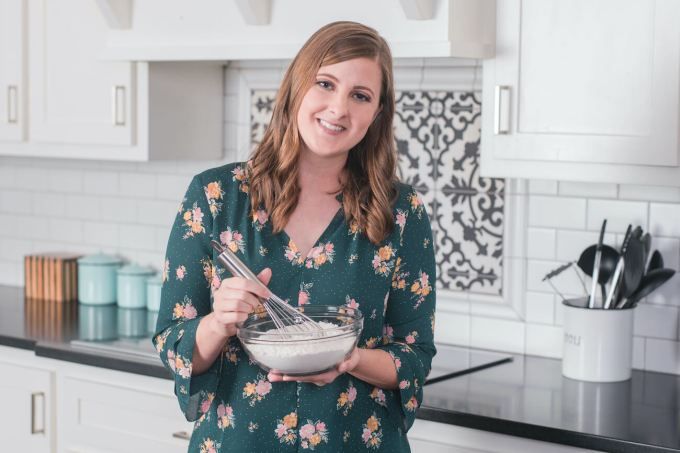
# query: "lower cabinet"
431,437
118,412
26,420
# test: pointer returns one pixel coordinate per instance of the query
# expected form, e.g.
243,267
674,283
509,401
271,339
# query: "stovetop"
452,361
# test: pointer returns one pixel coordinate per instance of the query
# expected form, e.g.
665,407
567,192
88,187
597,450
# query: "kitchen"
518,152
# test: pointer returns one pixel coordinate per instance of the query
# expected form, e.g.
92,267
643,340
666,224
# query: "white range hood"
178,30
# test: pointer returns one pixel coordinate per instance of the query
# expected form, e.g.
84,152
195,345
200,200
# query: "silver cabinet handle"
34,398
12,104
501,101
181,435
118,105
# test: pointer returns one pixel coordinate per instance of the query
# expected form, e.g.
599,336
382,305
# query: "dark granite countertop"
526,397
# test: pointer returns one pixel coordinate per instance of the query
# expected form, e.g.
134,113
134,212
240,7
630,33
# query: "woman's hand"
234,300
322,379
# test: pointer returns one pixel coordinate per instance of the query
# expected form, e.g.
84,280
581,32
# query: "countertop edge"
537,432
15,342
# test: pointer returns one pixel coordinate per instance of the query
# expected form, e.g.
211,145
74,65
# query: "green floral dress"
234,406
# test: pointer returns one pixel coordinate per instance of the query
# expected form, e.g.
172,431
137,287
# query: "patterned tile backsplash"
437,136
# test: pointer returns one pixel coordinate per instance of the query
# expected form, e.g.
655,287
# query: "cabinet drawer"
102,417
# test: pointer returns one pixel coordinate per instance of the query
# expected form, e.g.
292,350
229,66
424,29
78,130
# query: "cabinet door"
583,82
76,98
12,83
99,416
25,418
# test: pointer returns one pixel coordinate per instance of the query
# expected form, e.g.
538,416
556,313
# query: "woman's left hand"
321,379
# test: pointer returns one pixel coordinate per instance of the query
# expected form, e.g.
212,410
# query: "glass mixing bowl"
302,353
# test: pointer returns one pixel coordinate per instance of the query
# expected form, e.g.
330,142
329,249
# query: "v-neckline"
327,232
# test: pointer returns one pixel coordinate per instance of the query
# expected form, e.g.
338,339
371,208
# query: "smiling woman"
318,211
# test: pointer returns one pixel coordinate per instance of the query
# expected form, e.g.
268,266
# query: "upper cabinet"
12,70
584,90
162,30
81,106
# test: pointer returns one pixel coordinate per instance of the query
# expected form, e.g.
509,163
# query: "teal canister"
97,279
153,292
132,286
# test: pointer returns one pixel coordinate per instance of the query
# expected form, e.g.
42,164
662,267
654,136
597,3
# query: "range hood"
177,30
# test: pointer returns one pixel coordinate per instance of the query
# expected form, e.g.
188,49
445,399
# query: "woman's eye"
362,97
324,84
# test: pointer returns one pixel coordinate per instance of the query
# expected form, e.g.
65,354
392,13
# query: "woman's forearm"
209,344
376,367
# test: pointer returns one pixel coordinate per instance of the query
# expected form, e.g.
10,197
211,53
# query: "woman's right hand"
234,300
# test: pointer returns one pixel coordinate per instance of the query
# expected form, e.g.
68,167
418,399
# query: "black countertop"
526,397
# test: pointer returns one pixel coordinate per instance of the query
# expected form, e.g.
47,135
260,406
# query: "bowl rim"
335,332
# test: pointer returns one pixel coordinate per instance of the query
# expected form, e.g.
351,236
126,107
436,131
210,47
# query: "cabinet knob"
35,397
118,105
501,110
12,104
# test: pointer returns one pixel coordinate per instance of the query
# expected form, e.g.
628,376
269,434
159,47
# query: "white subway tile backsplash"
120,210
159,213
16,202
140,185
499,334
172,187
105,234
638,353
7,177
542,186
64,180
541,243
14,249
46,204
65,230
543,340
618,214
656,321
662,355
668,293
452,328
664,219
101,183
27,176
540,308
587,189
82,207
649,193
567,282
11,272
138,237
557,212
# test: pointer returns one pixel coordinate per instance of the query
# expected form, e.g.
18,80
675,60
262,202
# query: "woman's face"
338,109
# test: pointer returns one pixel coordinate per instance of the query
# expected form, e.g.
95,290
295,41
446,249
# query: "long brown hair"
369,188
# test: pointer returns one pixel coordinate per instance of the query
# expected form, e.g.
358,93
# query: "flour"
303,357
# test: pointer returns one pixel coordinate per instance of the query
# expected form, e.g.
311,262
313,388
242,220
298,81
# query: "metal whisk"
284,316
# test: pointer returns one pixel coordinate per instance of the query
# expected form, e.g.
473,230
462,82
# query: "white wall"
127,208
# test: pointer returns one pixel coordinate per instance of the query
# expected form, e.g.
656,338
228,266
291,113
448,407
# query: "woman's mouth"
330,127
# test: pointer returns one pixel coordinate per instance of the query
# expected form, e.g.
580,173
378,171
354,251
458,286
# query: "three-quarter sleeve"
408,334
186,299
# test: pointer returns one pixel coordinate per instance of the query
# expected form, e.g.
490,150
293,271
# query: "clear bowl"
301,353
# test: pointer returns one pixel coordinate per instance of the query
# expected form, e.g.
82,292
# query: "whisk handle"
237,267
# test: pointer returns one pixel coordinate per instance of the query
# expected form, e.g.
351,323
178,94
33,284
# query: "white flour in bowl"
303,357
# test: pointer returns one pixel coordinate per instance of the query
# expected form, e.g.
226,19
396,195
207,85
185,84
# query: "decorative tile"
437,136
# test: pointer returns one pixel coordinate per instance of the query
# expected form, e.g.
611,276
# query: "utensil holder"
597,343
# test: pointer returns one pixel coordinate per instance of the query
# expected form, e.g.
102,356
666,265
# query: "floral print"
285,429
257,390
232,402
383,260
184,310
372,434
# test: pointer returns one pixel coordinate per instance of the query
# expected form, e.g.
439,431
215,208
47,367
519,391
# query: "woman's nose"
338,105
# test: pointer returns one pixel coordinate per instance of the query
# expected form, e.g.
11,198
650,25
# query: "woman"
319,213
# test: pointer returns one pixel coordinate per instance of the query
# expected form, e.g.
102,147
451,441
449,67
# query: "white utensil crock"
598,343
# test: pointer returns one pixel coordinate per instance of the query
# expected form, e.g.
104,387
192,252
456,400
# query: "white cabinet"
81,106
584,90
26,418
432,437
12,70
105,410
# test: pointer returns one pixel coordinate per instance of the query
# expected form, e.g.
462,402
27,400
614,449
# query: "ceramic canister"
132,286
97,279
598,343
153,292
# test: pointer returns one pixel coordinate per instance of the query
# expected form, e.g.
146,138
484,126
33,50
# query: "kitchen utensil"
596,265
97,279
655,262
646,246
286,318
608,260
633,270
651,281
618,272
131,286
